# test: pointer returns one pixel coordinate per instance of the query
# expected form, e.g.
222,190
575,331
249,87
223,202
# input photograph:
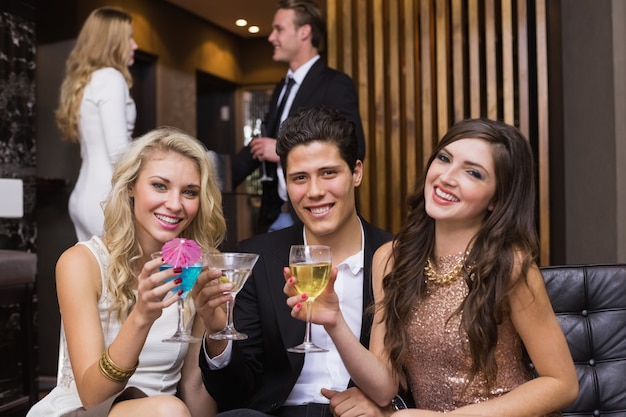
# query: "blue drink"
189,275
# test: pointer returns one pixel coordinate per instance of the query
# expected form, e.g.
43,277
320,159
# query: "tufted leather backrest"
590,304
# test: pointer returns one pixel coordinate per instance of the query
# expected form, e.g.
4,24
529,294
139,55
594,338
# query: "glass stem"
309,314
181,316
229,313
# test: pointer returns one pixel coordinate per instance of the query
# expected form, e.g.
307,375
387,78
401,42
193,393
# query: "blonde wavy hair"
103,41
208,228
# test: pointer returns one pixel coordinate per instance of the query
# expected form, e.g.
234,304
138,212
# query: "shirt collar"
355,262
299,74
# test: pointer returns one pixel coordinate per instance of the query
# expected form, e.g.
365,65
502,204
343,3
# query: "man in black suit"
318,151
297,37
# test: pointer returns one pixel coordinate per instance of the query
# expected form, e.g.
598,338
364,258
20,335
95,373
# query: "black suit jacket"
261,373
322,86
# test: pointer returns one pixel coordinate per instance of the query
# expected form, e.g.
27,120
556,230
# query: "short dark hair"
318,124
308,13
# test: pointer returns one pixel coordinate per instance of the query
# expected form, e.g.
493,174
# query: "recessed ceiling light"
241,22
253,29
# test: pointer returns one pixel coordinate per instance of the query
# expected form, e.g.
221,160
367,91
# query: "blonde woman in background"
112,296
97,111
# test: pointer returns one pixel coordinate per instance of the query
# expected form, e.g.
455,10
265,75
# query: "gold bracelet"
112,371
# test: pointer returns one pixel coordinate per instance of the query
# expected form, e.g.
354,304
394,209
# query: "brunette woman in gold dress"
458,291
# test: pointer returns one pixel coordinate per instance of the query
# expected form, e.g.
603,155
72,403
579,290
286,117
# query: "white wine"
311,279
237,277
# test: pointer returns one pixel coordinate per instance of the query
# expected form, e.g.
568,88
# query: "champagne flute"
310,265
256,133
189,276
236,268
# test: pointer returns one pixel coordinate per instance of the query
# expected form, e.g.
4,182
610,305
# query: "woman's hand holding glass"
327,310
153,290
236,268
186,277
310,266
210,296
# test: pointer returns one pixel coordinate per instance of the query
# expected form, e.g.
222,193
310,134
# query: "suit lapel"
368,293
291,330
309,86
270,118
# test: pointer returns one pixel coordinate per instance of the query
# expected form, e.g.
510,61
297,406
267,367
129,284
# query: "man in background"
298,36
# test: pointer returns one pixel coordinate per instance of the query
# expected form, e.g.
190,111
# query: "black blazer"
261,373
322,86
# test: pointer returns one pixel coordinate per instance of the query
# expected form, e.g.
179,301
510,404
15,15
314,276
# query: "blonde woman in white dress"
112,296
97,111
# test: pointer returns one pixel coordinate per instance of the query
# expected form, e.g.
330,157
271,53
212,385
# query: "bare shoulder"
78,269
383,253
382,263
530,287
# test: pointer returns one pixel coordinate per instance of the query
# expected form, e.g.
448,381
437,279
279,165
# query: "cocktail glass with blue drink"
189,276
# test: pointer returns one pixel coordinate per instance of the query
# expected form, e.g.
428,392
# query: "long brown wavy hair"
103,41
508,234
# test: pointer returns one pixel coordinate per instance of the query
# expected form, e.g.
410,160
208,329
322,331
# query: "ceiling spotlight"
253,29
241,22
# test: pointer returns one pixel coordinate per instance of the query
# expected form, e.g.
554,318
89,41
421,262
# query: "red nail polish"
298,306
180,292
178,270
162,260
291,280
303,296
178,280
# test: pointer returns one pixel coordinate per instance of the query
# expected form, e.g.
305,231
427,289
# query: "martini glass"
310,265
236,268
189,277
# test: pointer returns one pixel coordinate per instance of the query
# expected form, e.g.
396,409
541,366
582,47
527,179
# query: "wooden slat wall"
543,132
420,66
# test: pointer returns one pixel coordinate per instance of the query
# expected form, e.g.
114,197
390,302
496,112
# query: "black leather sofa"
590,304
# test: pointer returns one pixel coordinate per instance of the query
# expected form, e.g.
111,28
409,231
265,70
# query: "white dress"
159,363
107,120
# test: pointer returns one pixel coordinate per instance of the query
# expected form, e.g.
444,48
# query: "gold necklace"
443,279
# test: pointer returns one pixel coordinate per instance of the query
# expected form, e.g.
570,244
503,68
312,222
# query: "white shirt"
323,369
326,370
298,76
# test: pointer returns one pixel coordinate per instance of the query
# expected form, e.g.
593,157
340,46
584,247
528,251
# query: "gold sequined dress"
438,360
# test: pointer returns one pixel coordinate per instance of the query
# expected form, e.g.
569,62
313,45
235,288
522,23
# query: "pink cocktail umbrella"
180,252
